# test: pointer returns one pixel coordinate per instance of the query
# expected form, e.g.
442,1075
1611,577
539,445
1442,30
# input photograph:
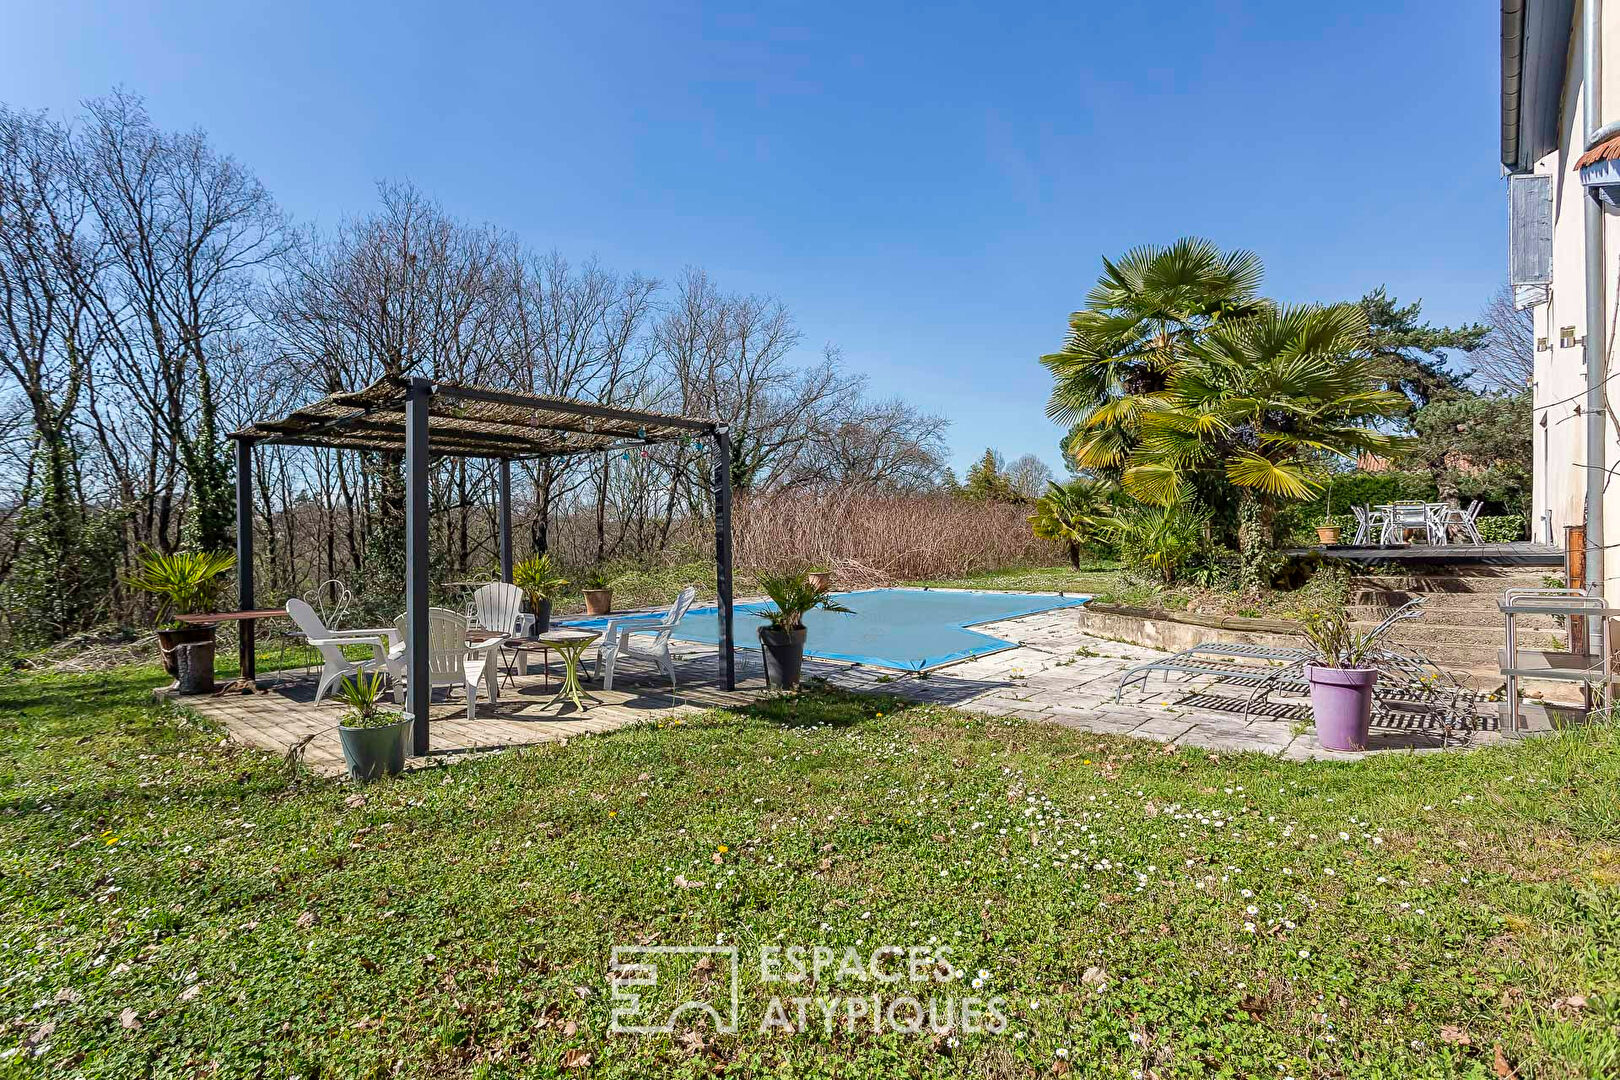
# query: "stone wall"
1173,631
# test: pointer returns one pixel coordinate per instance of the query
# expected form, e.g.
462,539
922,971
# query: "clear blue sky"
928,186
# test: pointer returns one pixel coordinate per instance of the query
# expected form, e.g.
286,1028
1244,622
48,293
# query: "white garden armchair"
497,607
330,644
616,638
452,661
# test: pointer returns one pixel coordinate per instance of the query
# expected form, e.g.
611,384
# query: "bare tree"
728,357
881,446
1029,476
1506,362
48,343
186,231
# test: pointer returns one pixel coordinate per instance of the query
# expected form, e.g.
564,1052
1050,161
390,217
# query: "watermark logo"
697,980
900,989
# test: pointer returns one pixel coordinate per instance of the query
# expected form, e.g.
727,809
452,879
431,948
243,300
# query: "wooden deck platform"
284,715
1429,557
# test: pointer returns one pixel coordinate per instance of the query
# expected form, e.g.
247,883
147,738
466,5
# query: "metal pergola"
422,418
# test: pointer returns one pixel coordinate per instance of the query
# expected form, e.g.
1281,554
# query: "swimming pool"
907,629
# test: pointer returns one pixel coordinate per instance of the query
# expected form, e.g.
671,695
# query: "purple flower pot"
1341,698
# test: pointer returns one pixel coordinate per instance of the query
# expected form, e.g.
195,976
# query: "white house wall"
1560,372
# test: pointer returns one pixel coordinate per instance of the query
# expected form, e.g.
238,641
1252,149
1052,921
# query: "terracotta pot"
598,601
822,580
1328,534
184,635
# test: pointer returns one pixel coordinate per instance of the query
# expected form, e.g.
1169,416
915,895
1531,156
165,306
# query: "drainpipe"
1591,75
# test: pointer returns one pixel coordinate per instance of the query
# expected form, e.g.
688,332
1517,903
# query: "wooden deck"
284,716
1427,557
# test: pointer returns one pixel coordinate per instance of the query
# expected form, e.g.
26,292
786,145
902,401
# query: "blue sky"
928,186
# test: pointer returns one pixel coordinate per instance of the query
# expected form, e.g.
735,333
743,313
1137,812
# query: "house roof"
472,421
1535,52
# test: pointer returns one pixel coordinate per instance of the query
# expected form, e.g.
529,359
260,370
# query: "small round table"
570,644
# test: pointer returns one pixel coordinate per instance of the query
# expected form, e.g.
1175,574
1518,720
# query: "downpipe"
1596,361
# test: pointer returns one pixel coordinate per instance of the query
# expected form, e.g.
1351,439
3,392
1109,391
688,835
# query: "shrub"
1164,539
1504,529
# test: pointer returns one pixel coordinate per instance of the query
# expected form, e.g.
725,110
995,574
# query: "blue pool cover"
908,629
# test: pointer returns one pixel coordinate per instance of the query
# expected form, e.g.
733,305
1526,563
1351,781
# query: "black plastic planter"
375,751
784,656
542,617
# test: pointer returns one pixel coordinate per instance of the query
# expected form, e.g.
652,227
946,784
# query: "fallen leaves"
1455,1035
129,1020
576,1059
1499,1064
306,920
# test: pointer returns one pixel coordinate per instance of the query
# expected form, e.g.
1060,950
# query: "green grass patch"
178,906
1092,577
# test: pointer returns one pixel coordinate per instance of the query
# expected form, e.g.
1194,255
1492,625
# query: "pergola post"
506,520
722,554
418,690
246,638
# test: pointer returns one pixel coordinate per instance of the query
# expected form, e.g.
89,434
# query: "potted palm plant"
1341,678
373,737
540,582
782,637
1327,532
598,591
185,583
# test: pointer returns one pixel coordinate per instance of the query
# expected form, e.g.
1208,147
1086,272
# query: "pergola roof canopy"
473,421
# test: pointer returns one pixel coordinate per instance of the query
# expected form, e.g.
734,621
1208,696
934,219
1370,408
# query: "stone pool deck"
1054,673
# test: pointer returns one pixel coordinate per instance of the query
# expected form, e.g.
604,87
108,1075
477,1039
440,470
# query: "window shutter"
1530,233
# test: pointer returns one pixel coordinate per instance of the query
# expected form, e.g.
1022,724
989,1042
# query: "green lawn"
176,906
1092,577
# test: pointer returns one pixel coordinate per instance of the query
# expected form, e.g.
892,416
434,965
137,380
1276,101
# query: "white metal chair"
451,661
1452,517
1404,516
330,643
1369,524
616,638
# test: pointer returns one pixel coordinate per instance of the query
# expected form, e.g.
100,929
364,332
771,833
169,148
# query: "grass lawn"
177,906
1092,577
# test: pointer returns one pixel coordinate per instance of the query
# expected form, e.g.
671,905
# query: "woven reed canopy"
419,419
473,421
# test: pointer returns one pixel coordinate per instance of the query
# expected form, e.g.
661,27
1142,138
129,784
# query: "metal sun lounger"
1188,662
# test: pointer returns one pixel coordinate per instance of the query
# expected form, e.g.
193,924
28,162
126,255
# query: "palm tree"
1123,346
1074,514
1269,402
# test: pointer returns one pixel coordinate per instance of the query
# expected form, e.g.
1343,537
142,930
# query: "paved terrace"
1055,674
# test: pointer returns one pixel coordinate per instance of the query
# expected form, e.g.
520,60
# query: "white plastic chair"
451,661
496,607
330,643
616,638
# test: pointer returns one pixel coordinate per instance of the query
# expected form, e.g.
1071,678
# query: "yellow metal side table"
570,645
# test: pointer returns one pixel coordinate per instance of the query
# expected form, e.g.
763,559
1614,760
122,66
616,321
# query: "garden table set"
1391,524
